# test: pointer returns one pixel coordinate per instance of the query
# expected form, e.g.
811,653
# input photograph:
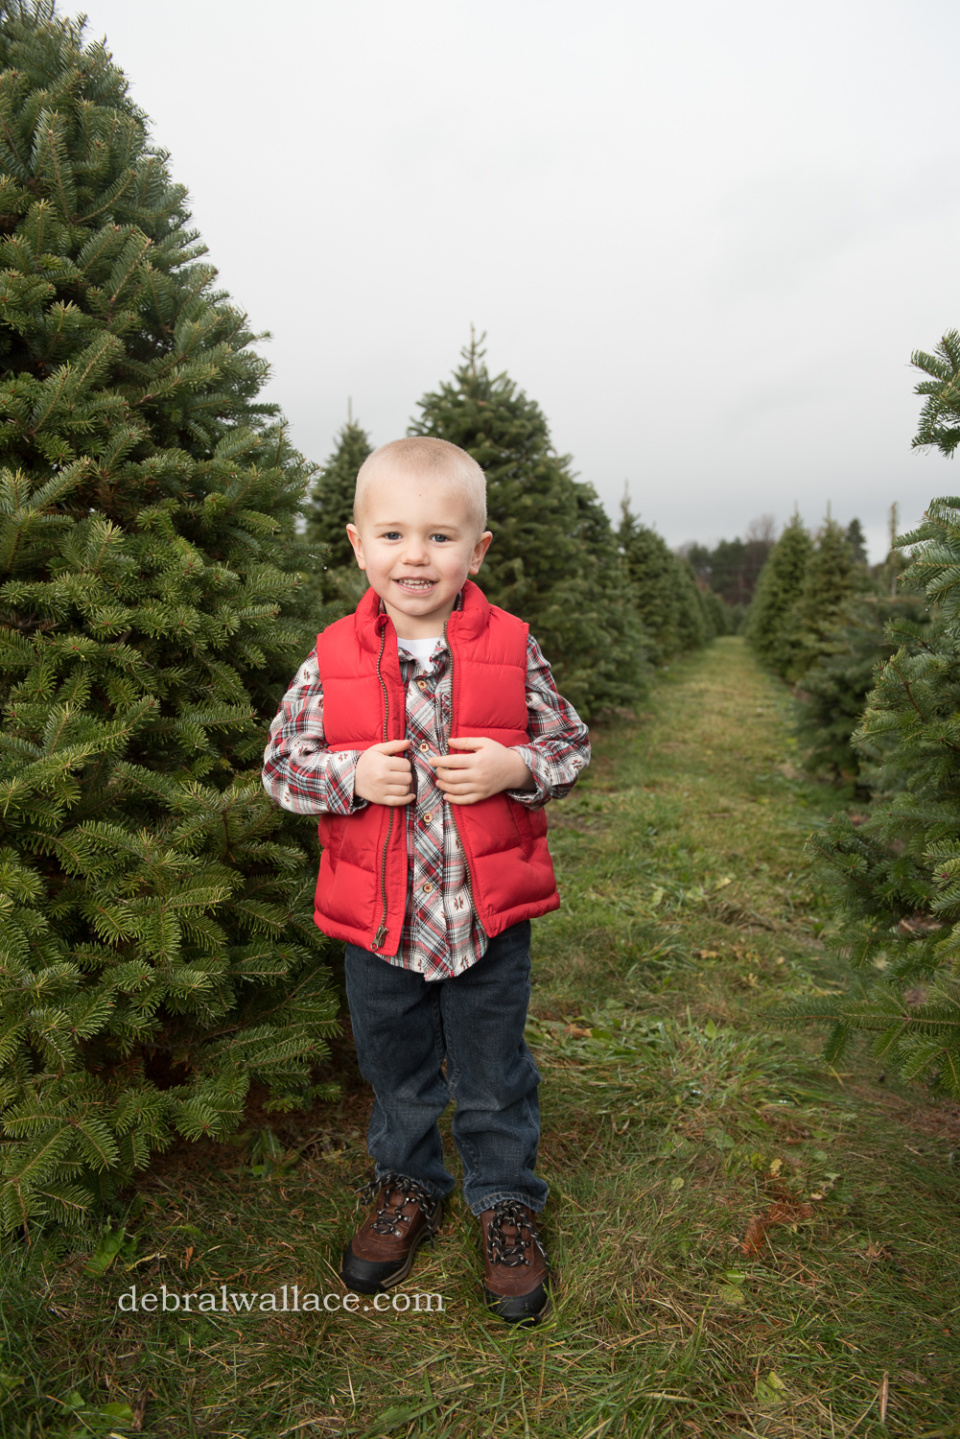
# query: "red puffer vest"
362,889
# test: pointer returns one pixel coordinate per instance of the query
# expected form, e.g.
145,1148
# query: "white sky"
704,237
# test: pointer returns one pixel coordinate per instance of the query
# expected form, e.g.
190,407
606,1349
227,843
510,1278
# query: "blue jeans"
405,1028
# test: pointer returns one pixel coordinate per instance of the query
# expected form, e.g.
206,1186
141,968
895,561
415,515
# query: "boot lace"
512,1251
389,1217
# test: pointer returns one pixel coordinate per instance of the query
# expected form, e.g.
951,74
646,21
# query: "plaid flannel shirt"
441,934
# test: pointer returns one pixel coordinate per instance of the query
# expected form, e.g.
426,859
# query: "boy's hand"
487,769
383,776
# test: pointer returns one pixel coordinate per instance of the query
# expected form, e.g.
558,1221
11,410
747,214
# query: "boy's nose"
415,551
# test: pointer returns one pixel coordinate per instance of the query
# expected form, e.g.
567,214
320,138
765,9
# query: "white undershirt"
420,649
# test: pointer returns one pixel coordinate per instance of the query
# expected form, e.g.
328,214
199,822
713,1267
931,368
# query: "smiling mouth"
416,586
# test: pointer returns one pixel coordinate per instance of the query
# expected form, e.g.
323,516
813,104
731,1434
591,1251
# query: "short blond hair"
437,460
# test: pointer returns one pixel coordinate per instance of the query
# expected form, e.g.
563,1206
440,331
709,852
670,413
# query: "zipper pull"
380,937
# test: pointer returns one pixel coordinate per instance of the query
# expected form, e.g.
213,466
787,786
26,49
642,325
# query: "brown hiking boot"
382,1251
516,1273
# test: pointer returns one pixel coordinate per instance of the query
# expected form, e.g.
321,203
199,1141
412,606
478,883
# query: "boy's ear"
353,535
480,549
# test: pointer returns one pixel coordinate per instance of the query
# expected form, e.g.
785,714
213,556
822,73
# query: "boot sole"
495,1301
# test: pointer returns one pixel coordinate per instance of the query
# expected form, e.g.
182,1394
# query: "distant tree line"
732,568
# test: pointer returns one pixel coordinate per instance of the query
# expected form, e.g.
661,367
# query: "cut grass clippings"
746,1243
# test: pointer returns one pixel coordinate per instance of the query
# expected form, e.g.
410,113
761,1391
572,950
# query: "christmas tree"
158,945
940,417
721,617
833,691
695,624
668,599
553,560
337,578
772,625
816,624
832,575
857,541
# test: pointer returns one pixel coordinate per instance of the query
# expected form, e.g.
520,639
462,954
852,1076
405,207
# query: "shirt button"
427,818
428,888
424,747
421,684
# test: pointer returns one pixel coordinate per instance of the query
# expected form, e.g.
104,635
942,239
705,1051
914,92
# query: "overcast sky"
704,237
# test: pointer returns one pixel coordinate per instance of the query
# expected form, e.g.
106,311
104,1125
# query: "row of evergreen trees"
893,872
818,620
605,603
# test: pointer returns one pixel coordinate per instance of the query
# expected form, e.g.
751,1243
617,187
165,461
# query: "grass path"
746,1243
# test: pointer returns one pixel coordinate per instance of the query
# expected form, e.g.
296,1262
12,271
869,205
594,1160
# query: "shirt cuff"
532,798
341,782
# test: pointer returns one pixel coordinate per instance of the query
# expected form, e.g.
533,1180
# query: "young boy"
426,732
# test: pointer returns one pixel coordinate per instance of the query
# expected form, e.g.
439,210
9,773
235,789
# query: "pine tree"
940,416
553,560
814,624
694,623
772,627
158,945
720,618
337,578
665,592
651,570
857,541
833,692
832,575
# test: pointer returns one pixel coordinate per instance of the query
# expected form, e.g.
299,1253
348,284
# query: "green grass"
746,1242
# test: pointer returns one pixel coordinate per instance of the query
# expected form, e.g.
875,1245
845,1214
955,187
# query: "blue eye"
445,538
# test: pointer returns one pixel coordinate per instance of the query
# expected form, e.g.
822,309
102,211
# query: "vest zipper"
452,807
381,933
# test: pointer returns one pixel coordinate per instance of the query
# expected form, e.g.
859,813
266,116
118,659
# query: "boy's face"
418,540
